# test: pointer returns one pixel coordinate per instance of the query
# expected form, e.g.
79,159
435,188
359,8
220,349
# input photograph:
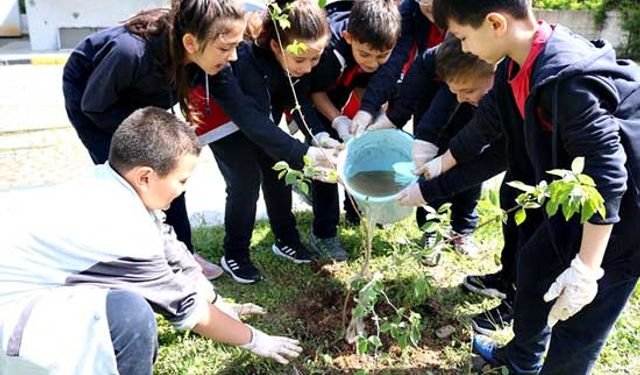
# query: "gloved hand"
382,122
575,288
411,196
235,310
423,152
275,347
320,157
342,124
431,169
324,140
360,122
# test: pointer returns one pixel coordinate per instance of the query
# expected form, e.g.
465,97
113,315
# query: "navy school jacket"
338,73
416,28
582,102
112,73
254,91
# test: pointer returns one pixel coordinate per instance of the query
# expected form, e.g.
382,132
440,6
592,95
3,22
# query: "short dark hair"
375,22
453,63
154,138
473,13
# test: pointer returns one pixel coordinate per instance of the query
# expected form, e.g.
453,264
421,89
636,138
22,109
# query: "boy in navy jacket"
556,97
361,41
418,34
426,89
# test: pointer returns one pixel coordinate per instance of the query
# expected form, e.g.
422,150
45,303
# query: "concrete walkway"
38,146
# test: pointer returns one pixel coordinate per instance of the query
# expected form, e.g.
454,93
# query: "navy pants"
245,168
326,209
510,229
133,330
573,345
464,217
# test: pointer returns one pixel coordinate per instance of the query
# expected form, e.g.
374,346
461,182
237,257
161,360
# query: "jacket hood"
567,54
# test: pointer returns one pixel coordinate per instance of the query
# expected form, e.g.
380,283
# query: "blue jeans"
133,332
573,345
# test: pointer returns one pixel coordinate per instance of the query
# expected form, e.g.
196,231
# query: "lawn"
307,302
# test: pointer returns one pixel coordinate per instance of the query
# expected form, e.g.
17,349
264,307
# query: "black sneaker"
488,322
295,252
241,269
491,285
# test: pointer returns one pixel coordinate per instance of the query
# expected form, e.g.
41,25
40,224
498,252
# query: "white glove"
411,196
324,140
275,347
320,157
382,122
423,152
235,310
360,122
575,288
431,169
342,124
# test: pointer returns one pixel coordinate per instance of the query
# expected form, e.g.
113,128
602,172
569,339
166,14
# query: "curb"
37,60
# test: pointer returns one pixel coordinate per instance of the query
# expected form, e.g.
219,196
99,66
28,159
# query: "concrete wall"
583,22
45,17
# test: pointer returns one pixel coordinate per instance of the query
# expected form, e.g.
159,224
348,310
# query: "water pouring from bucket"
376,167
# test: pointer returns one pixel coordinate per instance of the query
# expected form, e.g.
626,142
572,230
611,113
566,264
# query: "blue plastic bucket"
377,151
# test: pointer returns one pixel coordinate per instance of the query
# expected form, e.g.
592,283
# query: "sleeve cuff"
612,207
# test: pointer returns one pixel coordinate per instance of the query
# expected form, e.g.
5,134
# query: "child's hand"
423,152
575,288
411,196
382,122
324,140
275,347
430,169
360,122
326,158
342,124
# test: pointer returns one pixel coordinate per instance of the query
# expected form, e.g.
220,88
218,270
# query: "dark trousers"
508,255
573,345
133,330
245,168
464,217
326,209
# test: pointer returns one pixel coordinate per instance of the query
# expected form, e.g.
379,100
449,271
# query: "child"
418,34
556,97
246,163
115,71
361,41
86,263
470,78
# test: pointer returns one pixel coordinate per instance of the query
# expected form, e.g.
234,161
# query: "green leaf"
430,226
520,216
363,345
586,180
375,341
361,372
521,186
420,287
577,166
552,208
296,48
588,210
304,187
284,23
444,208
280,166
385,327
280,174
558,172
306,160
290,178
322,3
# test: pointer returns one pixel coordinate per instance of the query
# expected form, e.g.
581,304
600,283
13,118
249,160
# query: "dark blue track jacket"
582,102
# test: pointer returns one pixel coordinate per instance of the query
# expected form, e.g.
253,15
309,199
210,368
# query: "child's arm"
324,105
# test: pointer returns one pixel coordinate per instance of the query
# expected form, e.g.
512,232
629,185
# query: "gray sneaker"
328,247
466,245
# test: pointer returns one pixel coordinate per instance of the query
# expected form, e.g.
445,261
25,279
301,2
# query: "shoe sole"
276,250
488,292
240,280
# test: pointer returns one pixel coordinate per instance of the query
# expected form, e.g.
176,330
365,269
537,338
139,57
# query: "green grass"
306,302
